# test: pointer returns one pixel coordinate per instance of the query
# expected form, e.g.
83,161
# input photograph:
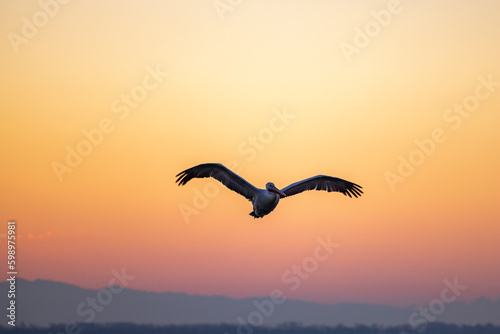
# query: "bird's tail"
254,215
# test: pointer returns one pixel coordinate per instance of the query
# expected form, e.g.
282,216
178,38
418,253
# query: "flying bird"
265,200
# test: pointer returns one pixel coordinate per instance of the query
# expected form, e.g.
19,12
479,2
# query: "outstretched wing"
220,173
323,182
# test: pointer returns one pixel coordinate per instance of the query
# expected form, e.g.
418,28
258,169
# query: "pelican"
265,200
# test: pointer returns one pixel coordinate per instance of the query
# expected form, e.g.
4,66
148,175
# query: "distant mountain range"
43,302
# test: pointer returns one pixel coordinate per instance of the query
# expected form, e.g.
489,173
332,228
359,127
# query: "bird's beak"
277,191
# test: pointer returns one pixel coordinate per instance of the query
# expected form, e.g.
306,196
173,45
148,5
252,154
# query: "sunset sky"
104,102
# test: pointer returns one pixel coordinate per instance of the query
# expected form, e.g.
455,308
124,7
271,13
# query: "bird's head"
272,188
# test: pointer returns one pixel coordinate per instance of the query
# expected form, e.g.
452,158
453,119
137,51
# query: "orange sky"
144,90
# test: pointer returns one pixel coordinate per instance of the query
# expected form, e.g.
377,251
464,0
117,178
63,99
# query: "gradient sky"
229,74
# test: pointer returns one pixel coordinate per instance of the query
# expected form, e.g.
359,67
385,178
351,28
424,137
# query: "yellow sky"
143,90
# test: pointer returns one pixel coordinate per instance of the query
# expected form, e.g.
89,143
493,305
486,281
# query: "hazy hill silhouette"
287,328
44,302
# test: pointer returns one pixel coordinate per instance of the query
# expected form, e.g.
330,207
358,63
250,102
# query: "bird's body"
265,200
